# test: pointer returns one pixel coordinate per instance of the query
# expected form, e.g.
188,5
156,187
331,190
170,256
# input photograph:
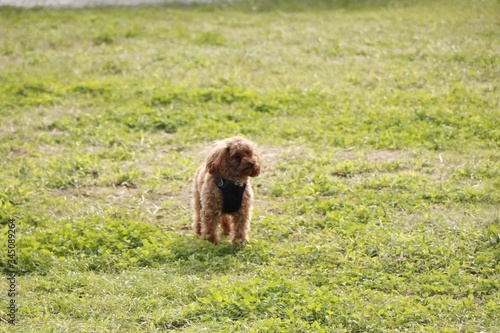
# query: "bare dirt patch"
386,155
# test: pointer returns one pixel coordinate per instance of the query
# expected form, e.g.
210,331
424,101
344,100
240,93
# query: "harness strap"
232,194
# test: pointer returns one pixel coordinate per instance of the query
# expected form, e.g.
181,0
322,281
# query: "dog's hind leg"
196,215
226,224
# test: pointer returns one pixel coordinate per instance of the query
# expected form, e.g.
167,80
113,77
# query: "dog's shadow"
193,255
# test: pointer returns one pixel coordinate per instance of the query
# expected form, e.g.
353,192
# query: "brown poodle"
222,191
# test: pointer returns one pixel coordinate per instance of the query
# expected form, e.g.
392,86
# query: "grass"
378,206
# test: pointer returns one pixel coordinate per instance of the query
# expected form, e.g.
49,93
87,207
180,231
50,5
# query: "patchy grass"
379,129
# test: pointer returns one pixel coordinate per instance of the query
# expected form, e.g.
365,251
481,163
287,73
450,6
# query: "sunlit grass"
377,208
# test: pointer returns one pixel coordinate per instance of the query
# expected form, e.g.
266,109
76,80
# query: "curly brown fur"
233,159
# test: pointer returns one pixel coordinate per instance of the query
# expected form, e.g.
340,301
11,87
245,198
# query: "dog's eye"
238,157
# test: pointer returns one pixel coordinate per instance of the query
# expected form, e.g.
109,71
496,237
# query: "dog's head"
233,158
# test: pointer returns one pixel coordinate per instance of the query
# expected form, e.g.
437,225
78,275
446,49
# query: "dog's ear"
216,161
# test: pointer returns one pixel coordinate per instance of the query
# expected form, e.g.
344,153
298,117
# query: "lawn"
378,206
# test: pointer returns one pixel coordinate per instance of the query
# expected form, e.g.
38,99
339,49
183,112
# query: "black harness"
232,194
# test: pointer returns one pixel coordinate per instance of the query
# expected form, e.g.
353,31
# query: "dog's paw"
240,243
212,238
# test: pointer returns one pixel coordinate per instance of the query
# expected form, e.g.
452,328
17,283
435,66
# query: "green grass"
378,206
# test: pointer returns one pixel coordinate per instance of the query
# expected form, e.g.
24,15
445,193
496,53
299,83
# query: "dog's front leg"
209,223
241,226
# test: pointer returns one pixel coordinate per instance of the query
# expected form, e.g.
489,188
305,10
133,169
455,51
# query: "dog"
222,193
